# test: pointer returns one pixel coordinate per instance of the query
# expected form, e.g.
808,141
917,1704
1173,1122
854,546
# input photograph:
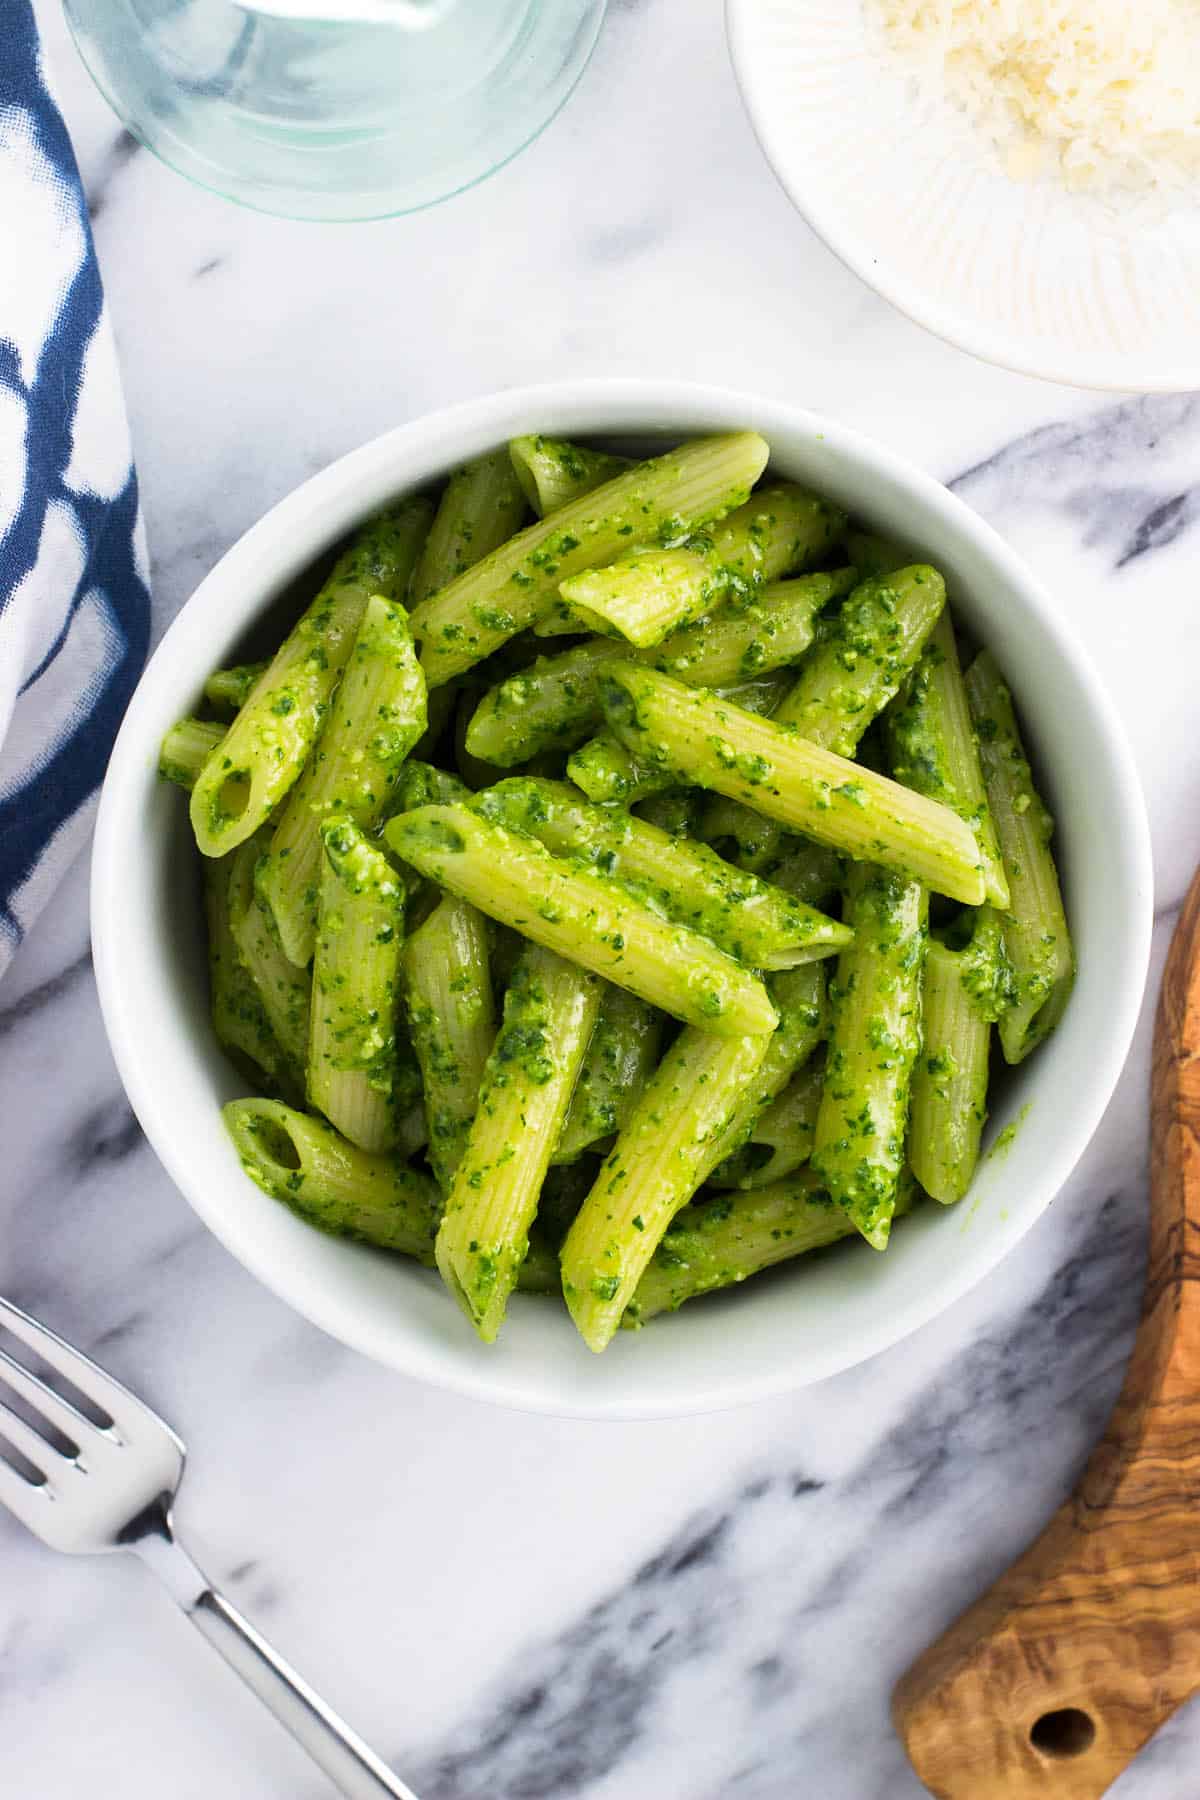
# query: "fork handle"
350,1764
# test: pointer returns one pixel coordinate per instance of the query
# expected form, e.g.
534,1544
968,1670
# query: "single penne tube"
950,1081
555,703
553,472
483,504
620,1056
285,990
758,924
610,774
549,1011
749,638
801,1000
423,784
269,742
781,1139
657,1164
583,916
654,591
873,643
874,1042
932,748
359,1074
331,1184
452,1023
1036,934
378,714
509,589
717,1243
702,739
186,748
240,1022
549,706
229,689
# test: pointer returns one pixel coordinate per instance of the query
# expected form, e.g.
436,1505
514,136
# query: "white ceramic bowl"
797,1327
909,197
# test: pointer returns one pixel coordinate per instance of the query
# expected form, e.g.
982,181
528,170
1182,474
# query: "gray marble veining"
1129,475
529,1608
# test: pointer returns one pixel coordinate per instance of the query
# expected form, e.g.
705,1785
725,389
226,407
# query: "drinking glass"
335,109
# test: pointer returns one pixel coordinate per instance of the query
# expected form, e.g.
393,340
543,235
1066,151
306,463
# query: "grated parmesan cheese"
1104,93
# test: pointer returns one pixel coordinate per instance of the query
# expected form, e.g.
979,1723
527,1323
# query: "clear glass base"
335,118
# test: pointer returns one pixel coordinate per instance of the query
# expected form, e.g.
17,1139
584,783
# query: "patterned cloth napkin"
74,601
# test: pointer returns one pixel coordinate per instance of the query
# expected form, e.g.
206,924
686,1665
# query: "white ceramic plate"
789,1328
910,198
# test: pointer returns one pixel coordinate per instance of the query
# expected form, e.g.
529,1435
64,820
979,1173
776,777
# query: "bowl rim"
1115,374
363,478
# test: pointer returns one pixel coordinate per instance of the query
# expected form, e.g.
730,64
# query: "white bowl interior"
809,1319
908,195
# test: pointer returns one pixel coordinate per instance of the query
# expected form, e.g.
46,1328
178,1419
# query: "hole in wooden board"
1066,1732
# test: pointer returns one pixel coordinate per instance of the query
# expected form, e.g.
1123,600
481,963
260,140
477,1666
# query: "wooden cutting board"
1051,1683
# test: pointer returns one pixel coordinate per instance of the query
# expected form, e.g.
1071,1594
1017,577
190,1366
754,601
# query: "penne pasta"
606,975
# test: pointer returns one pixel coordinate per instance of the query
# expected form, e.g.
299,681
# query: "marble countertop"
521,1607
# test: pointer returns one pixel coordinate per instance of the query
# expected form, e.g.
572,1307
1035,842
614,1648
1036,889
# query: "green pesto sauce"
1007,1138
916,738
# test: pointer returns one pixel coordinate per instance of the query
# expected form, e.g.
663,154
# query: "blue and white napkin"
74,600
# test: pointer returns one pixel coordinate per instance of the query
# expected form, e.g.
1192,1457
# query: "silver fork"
109,1483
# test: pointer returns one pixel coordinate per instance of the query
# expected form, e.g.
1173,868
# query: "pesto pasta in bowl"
623,868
